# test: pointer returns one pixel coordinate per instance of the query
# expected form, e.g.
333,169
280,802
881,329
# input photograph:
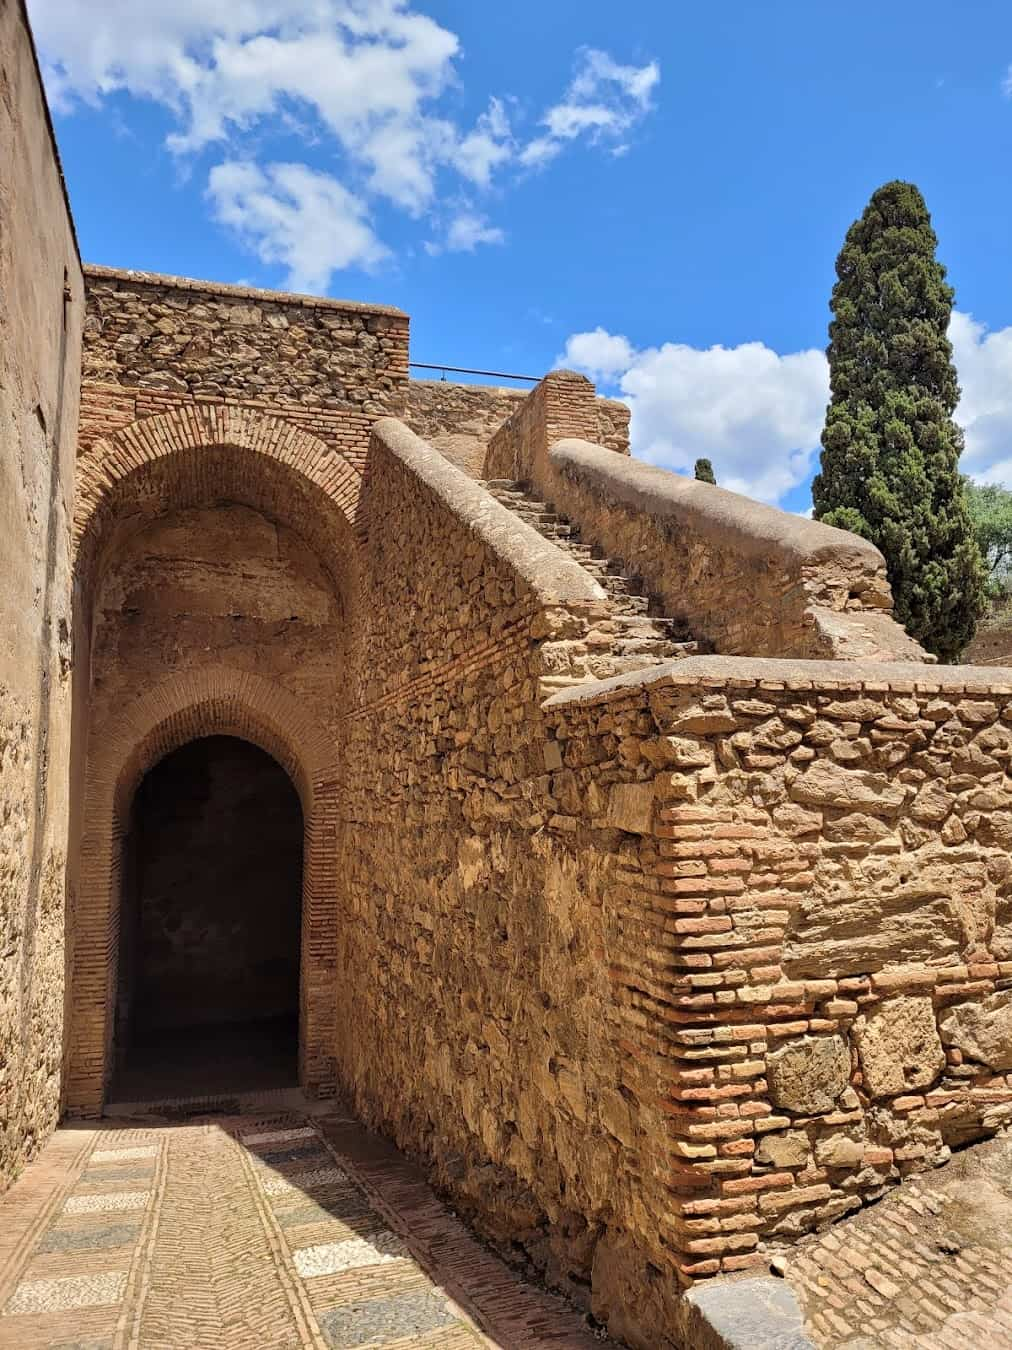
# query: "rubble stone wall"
461,419
153,344
664,970
813,892
41,312
474,1009
747,578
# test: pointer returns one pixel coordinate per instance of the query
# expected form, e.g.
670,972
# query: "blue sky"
655,193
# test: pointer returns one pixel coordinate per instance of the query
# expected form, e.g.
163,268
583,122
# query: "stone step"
630,637
622,585
656,646
631,604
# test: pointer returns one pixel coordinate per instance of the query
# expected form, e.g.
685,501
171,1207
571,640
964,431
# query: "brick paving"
929,1266
248,1232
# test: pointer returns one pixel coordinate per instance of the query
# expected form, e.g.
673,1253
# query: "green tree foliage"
991,515
704,471
890,456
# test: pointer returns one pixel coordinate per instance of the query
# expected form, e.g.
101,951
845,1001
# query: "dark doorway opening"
210,929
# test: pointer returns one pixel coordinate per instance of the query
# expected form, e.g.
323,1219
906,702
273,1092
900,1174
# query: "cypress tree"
890,449
704,472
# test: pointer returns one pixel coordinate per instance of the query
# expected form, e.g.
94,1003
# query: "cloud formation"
758,415
293,215
755,413
466,231
367,78
603,102
984,363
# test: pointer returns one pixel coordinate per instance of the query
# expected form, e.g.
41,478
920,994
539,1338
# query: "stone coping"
552,576
725,518
759,672
100,273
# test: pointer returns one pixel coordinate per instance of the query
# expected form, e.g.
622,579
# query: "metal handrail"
466,370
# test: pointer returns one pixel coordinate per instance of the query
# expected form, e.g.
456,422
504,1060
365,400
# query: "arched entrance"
213,701
193,531
210,926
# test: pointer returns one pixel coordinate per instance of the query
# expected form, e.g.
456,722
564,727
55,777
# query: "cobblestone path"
241,1233
927,1268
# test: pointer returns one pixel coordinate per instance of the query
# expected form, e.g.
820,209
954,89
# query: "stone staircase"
634,634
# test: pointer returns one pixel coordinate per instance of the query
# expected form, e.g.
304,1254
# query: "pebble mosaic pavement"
246,1233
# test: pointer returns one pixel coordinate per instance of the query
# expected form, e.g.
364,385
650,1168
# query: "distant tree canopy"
890,456
704,471
991,516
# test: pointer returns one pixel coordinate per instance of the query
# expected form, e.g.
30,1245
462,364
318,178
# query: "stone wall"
215,585
992,643
155,343
461,419
746,578
41,311
812,895
474,1012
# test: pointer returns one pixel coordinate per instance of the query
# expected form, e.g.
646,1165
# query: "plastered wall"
41,312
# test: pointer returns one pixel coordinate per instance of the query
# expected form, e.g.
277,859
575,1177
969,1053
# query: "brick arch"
208,701
215,452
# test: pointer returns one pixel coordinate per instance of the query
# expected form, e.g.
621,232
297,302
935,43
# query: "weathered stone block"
899,1047
982,1031
784,1150
809,1074
839,1151
827,784
836,932
631,807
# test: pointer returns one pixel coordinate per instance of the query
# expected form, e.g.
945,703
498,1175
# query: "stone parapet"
480,583
745,577
552,576
153,344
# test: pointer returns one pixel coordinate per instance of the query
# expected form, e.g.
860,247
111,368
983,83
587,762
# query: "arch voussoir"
204,431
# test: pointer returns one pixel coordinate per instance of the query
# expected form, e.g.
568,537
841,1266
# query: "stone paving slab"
246,1233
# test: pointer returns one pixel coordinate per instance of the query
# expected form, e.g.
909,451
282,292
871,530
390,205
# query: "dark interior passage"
210,927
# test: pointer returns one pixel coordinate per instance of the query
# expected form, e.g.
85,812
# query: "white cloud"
487,147
364,68
984,363
366,80
466,231
603,355
756,414
604,101
290,214
759,415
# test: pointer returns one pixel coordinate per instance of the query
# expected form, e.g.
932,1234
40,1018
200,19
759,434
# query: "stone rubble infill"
632,637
